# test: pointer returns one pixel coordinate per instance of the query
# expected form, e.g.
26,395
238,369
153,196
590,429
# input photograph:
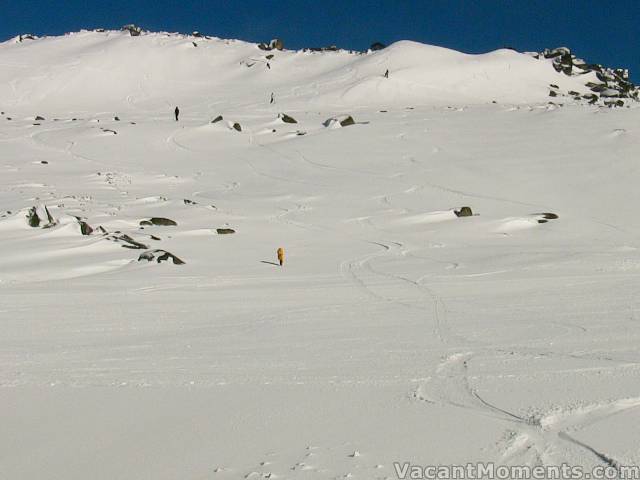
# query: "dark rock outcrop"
613,83
287,119
217,119
225,231
159,221
32,218
85,228
237,127
463,212
375,46
133,30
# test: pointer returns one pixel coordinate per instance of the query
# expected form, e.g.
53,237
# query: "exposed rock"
189,202
287,119
85,228
614,103
375,46
614,82
159,221
225,231
217,119
159,256
128,241
270,56
556,52
32,218
342,121
50,220
117,119
276,44
133,30
39,118
463,212
347,121
236,126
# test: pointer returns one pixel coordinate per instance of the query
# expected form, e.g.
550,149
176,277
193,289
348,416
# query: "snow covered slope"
89,71
398,329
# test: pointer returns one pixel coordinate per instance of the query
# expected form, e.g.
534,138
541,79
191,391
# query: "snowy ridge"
113,70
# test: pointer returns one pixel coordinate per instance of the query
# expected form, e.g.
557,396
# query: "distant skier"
280,256
177,113
272,99
386,74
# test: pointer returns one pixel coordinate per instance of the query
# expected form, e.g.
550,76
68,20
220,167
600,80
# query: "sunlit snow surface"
395,328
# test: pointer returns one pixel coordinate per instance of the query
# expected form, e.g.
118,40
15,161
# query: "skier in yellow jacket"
281,255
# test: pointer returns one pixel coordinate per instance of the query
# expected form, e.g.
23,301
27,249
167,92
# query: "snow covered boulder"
339,121
276,44
27,36
159,256
127,241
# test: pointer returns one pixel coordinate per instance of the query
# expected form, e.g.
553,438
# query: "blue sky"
598,31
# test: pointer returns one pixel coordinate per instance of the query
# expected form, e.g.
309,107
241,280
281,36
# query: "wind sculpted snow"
395,331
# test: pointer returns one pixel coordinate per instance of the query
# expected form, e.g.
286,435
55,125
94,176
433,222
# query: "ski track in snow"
537,440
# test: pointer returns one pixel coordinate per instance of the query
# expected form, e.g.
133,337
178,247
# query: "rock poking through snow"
160,256
159,221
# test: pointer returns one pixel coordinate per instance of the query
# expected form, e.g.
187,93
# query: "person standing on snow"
280,256
176,112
